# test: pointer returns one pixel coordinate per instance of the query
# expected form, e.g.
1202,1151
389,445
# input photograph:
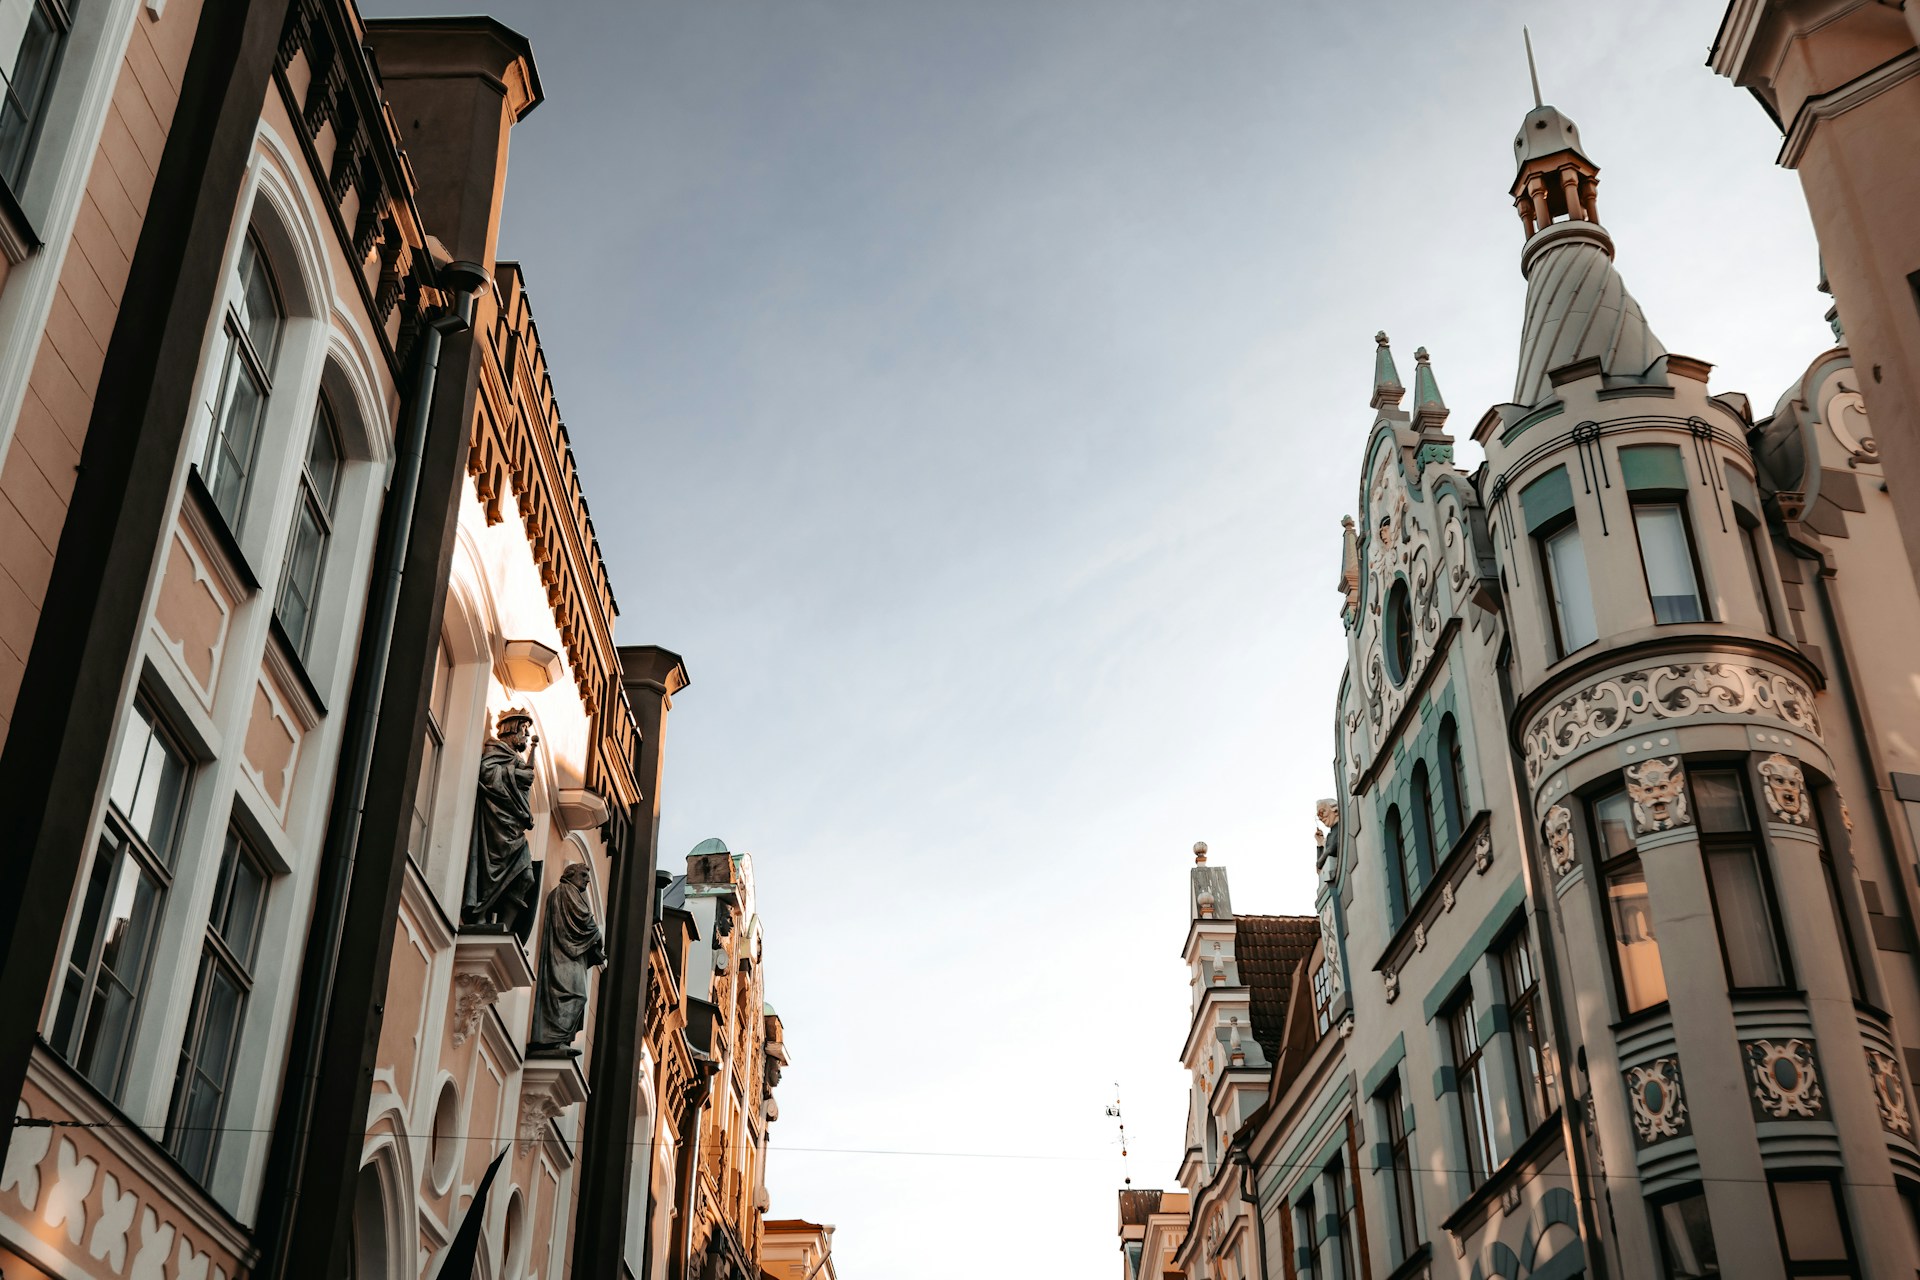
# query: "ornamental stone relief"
1483,853
1658,789
474,994
1786,789
1399,544
1330,946
1672,692
1558,833
1890,1093
1391,980
1659,1102
1784,1078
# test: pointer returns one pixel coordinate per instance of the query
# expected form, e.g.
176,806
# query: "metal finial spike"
1533,73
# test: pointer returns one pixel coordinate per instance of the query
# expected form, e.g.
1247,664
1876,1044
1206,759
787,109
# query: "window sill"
1652,1013
216,524
18,240
1415,1266
1531,1155
296,665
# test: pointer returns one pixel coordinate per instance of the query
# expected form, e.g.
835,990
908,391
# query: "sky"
970,391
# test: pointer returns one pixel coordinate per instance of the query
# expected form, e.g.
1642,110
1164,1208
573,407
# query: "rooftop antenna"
1532,73
1114,1111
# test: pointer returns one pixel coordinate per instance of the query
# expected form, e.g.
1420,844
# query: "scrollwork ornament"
1671,692
1420,936
1657,787
1659,1101
1557,831
537,1111
1391,981
1483,853
1786,789
1891,1093
1784,1078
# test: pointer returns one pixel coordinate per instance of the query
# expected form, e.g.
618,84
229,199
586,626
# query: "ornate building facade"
1614,971
333,941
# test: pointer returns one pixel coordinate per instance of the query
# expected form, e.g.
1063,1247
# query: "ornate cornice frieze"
1628,700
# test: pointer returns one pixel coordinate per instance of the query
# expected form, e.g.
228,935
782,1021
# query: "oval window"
444,1146
1399,628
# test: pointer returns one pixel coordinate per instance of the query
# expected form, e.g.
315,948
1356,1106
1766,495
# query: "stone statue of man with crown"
500,884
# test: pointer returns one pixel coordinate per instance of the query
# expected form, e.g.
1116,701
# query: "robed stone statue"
500,882
570,946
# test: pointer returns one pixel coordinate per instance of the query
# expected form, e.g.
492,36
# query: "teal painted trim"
1533,419
1496,921
1407,1117
1379,1155
1432,453
1741,490
1493,1020
1446,1080
1549,496
1297,1156
1652,466
1396,1053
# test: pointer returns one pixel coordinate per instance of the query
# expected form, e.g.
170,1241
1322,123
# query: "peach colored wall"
36,478
406,1000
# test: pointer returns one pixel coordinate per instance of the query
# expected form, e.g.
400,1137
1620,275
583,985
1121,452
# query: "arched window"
1422,824
1453,778
1405,874
248,342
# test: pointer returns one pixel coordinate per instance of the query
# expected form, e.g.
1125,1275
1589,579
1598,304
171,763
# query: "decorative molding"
1658,789
1392,983
548,1086
1420,936
1557,832
1856,92
1672,691
1446,896
1483,852
1785,790
1659,1101
1784,1077
1891,1093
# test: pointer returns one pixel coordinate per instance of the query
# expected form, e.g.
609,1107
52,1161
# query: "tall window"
249,340
219,1003
1527,1028
1814,1237
1423,822
1306,1230
1476,1105
31,35
1750,937
1752,537
1342,1217
1565,561
312,526
1406,1223
1686,1237
1453,778
1636,951
1407,867
120,912
431,752
1655,477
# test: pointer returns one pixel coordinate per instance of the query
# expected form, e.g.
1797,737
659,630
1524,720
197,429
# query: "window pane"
1572,599
1750,535
1721,801
323,459
230,451
301,581
1840,925
1687,1239
131,918
239,924
1810,1221
1642,982
86,942
258,305
1669,563
1613,815
1746,918
149,780
29,49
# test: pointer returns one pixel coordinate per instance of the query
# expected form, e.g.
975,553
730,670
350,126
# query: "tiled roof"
1269,949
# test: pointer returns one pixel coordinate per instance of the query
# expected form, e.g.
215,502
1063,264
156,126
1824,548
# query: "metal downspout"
337,854
1570,1133
1249,1197
688,1170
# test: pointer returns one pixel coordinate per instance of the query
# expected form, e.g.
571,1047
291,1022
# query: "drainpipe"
1249,1197
687,1168
1570,1134
337,854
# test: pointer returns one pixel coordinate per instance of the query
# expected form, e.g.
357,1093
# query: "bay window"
1548,506
1640,981
1656,482
1687,1251
1743,906
1812,1222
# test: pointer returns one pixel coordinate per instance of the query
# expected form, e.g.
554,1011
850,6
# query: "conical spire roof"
1578,308
1386,379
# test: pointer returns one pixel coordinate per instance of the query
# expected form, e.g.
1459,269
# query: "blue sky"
971,391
